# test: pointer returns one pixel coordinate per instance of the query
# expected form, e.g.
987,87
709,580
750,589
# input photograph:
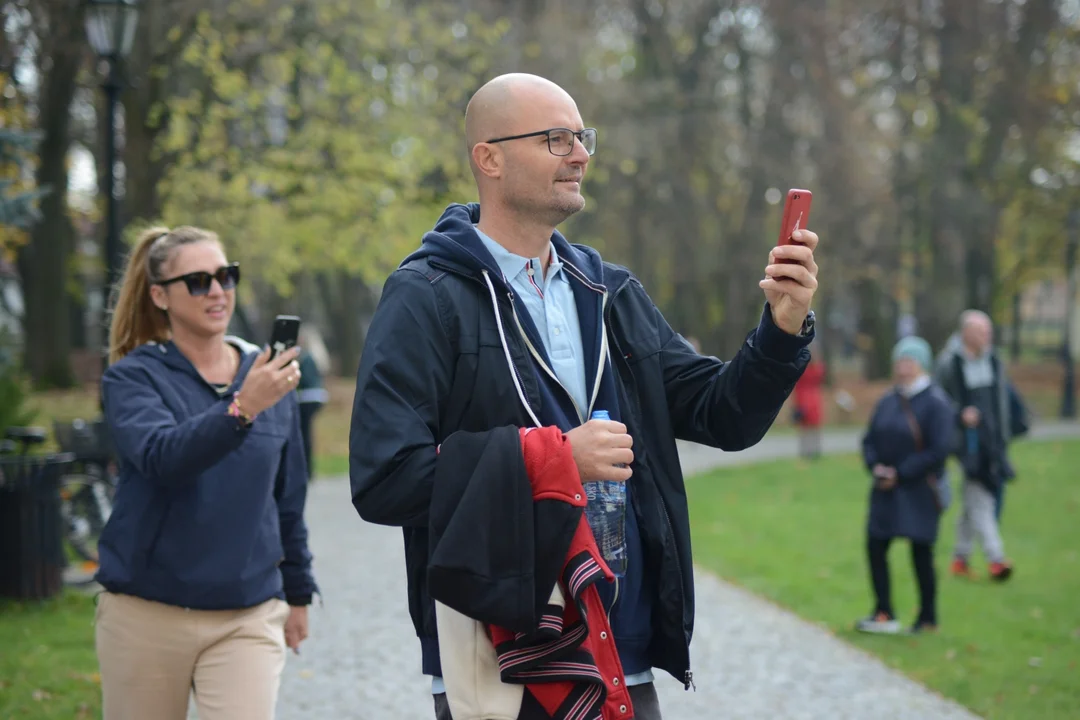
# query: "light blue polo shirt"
550,302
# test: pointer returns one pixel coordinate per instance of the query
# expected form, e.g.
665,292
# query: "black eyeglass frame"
578,135
195,280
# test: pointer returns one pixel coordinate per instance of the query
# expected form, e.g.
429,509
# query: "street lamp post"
1068,397
110,26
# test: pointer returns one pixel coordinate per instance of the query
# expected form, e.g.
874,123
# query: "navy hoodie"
454,239
208,514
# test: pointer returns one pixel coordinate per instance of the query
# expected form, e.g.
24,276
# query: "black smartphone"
285,334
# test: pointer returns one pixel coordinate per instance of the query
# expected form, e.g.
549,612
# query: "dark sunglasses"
198,283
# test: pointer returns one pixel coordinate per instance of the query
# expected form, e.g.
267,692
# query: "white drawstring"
506,350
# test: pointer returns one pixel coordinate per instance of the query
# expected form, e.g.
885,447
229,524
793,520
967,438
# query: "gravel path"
751,659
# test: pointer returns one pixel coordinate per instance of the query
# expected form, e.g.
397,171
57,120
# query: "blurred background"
941,140
320,139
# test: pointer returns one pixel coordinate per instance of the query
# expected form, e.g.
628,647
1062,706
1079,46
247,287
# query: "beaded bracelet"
237,412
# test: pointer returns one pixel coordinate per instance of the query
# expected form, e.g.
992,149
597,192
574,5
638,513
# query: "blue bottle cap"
600,415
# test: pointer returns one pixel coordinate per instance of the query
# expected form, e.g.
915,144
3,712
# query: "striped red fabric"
568,664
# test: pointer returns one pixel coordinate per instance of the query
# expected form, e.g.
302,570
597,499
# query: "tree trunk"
145,116
747,255
951,193
44,261
77,313
349,312
824,347
878,325
1015,346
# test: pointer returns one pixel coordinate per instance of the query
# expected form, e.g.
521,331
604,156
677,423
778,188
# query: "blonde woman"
204,561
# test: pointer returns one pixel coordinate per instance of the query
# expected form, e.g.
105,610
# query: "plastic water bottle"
606,514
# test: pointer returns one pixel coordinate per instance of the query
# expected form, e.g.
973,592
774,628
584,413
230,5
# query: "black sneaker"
879,624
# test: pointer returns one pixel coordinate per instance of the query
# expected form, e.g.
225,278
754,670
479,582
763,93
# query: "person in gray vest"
971,372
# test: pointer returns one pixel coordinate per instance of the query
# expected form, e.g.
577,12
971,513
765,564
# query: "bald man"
973,375
498,321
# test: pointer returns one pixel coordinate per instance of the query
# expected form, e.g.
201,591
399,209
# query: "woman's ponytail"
135,318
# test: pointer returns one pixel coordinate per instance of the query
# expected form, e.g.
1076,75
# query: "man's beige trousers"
153,656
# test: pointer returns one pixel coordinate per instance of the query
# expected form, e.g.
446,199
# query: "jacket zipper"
540,360
532,349
603,350
519,386
513,365
688,676
596,382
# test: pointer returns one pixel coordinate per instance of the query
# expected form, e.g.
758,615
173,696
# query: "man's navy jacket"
449,351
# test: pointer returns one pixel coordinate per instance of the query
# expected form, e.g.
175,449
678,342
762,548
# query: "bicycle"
87,491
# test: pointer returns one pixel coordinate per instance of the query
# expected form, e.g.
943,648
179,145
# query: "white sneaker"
879,624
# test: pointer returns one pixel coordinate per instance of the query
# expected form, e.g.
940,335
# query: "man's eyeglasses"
560,140
199,282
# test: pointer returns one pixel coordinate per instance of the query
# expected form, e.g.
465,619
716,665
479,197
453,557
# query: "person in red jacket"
809,408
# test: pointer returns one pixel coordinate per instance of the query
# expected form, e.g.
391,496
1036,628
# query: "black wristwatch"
807,325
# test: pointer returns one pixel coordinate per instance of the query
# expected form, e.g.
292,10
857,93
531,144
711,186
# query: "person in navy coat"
205,562
905,449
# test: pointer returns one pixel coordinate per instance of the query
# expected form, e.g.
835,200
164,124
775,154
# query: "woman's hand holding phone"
268,381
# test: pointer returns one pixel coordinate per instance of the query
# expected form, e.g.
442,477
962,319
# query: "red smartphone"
796,215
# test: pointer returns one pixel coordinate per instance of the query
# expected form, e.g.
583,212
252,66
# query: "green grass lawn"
48,669
794,532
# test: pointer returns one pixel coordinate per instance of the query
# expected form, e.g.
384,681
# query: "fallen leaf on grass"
1036,613
40,695
950,654
1033,689
94,678
1035,662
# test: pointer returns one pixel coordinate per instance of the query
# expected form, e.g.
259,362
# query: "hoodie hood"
454,241
168,354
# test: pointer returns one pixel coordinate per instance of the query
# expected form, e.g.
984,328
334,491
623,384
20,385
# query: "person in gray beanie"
905,448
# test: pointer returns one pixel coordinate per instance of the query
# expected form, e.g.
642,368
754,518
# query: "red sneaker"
1001,571
960,567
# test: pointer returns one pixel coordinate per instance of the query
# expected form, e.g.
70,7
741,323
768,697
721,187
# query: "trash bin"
31,528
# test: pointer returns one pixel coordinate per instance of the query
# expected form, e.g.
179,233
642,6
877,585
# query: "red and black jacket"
507,524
